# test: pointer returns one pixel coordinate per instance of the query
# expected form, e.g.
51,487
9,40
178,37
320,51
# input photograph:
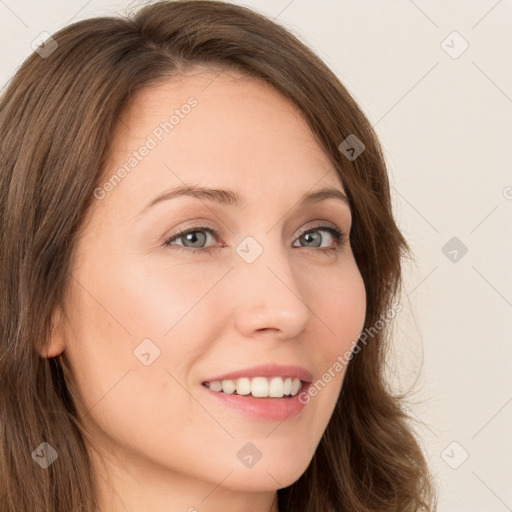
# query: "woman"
197,239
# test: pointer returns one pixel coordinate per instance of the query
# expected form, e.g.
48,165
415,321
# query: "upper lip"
267,370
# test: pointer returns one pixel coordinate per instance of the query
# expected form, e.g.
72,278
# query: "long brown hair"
57,117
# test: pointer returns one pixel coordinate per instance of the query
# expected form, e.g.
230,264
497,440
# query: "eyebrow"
232,198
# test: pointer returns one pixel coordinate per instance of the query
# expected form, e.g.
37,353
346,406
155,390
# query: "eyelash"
338,235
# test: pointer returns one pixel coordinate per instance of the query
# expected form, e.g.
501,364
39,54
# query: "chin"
273,475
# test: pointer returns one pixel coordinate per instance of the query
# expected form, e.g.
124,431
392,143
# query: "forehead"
231,109
240,134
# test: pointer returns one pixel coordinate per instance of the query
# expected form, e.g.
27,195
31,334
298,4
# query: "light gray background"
446,127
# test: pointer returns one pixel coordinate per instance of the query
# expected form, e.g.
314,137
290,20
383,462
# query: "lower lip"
269,409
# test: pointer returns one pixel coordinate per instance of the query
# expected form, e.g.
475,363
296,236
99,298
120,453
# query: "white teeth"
259,387
275,387
216,385
228,386
295,386
243,386
287,388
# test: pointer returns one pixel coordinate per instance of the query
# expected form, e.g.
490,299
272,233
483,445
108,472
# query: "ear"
56,344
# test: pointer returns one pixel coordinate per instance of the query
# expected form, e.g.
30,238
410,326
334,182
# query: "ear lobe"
56,344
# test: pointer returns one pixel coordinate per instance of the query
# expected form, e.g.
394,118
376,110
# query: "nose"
269,299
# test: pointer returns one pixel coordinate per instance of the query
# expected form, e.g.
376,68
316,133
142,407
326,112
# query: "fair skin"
161,442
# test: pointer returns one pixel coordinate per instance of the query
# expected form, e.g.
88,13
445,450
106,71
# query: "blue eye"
196,237
312,235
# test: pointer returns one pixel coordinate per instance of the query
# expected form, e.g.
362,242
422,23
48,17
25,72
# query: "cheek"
128,373
138,323
340,305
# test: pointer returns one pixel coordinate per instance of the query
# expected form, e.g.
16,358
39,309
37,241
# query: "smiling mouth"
257,387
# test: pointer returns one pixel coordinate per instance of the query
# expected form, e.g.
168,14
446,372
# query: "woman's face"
151,322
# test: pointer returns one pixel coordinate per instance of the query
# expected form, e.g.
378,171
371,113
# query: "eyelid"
323,224
340,235
205,227
199,226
